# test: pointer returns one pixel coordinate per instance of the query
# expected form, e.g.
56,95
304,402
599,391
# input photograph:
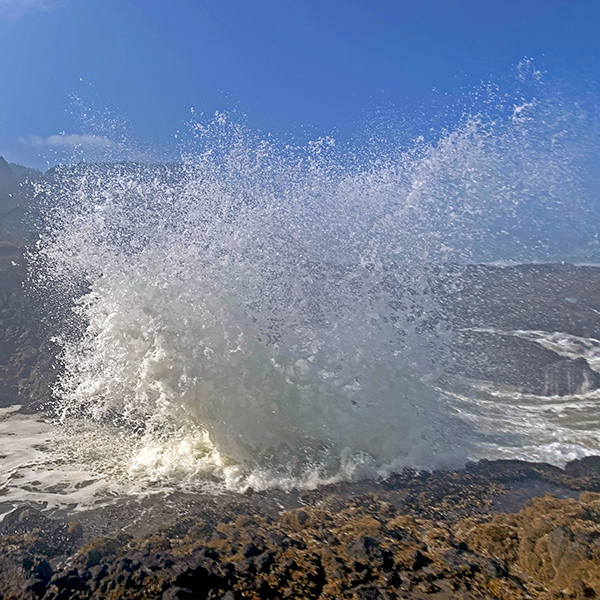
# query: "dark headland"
496,529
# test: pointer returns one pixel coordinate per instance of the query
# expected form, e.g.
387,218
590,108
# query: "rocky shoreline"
502,529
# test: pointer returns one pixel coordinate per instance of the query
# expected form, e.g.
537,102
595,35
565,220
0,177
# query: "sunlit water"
264,316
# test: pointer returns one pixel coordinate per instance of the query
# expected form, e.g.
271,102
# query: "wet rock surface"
429,535
27,357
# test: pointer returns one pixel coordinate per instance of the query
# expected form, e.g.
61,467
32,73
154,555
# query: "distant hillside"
16,192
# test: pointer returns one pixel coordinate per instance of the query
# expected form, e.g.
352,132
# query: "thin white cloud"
70,141
14,9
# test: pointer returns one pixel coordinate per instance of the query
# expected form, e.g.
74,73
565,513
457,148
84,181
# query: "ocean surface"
262,316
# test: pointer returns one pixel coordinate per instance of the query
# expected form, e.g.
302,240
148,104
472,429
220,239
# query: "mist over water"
269,315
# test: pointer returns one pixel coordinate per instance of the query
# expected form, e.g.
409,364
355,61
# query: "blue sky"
294,68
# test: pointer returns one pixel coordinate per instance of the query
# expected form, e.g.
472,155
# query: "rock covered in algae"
414,536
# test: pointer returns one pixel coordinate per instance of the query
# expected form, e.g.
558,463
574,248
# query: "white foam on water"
546,428
38,465
83,465
530,427
564,344
567,345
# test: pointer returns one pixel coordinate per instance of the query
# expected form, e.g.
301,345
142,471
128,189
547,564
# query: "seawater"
265,315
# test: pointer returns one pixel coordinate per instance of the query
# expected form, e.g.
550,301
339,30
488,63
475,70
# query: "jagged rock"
584,467
547,550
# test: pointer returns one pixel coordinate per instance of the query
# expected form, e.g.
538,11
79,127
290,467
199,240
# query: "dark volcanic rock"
584,467
411,536
27,358
47,537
